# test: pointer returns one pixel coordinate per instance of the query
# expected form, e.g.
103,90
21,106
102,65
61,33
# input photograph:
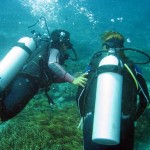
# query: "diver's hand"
81,80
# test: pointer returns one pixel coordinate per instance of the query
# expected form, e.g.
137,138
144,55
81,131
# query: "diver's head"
112,39
60,39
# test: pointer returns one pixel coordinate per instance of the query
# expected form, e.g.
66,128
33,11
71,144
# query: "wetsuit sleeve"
144,98
57,70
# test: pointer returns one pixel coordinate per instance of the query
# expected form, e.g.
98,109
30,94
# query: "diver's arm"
143,95
57,69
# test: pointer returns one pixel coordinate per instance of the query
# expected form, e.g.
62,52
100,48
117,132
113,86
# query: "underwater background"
40,127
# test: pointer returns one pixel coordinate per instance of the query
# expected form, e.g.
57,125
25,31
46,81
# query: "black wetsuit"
41,70
130,110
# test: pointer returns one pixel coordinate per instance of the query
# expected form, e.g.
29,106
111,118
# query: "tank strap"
109,68
22,45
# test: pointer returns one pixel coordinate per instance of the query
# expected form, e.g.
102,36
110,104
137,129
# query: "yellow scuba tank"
107,113
14,60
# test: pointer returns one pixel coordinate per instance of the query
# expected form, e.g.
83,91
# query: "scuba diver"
108,104
41,69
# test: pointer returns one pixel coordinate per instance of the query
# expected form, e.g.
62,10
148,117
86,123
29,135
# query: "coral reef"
142,132
43,128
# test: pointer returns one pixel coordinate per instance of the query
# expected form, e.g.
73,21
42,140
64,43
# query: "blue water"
86,20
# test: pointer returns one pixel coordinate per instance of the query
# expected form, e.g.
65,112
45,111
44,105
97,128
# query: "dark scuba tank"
107,113
14,60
